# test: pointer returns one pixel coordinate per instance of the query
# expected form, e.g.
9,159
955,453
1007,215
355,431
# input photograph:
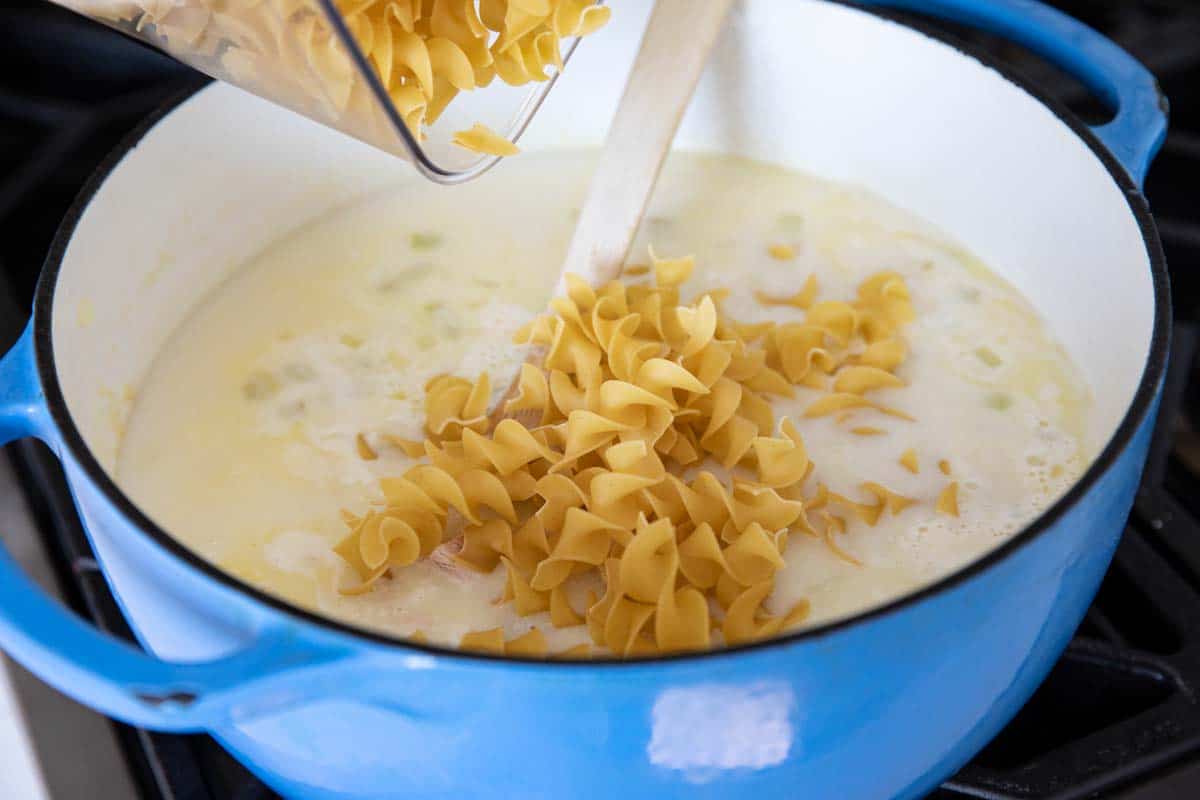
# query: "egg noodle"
424,52
643,455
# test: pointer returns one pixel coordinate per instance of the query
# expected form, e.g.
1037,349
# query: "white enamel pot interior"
824,88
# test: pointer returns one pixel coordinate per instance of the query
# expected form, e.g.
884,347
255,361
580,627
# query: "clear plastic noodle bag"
383,71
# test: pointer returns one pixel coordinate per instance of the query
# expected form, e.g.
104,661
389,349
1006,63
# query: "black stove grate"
1119,710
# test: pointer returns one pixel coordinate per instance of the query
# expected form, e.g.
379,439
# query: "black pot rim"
1138,411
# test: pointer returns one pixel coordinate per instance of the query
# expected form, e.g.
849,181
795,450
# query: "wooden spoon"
673,52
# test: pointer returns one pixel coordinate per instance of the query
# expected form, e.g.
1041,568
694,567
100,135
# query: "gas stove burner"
1119,716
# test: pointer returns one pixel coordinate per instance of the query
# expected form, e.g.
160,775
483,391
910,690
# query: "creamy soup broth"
244,440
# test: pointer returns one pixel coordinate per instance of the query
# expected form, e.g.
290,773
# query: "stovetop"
1119,715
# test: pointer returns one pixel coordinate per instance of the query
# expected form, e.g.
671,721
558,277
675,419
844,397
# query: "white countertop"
20,774
51,748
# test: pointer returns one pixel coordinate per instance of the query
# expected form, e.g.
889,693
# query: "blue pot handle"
110,675
1137,131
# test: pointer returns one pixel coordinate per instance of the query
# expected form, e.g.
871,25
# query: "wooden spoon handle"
669,62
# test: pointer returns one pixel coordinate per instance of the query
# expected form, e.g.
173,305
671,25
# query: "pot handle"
106,673
1136,132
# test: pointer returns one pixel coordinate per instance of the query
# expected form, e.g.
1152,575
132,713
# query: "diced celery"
998,401
988,356
260,385
792,223
422,242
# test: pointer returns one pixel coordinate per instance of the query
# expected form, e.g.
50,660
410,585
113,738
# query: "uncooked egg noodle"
636,387
482,139
425,52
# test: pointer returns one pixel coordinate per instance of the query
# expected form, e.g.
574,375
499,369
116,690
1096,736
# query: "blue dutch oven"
885,704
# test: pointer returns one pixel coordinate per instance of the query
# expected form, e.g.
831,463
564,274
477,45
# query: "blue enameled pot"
886,704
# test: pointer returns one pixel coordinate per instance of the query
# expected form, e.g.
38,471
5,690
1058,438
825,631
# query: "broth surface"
244,438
